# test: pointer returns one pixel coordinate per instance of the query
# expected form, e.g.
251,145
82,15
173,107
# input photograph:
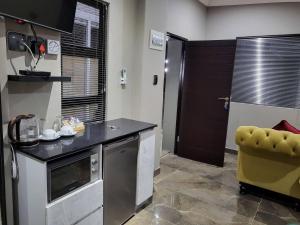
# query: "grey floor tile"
164,172
147,218
171,161
278,210
263,218
193,193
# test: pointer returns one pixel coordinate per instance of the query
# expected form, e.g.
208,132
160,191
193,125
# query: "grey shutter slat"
267,71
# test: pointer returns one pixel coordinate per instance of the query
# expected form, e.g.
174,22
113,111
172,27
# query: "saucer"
43,138
67,135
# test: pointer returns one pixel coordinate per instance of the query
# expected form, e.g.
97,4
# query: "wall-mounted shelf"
20,78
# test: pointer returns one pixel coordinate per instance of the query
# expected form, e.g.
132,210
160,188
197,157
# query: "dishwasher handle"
120,143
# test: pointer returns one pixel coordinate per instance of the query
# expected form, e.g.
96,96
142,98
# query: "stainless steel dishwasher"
119,177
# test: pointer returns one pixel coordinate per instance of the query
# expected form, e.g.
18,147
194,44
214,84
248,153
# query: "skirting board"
231,151
144,205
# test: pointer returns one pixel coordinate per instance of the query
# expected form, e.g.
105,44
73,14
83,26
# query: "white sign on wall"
157,40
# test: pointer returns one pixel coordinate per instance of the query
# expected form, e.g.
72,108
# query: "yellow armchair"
269,159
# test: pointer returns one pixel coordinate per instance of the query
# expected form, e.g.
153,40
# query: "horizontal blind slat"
83,59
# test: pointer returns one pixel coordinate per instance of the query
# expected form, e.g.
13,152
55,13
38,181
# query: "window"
84,60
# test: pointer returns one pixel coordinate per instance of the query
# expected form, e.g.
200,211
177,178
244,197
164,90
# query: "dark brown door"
203,117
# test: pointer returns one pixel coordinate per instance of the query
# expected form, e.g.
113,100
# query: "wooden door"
203,117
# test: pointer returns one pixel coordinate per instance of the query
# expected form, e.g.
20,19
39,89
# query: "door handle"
226,104
225,99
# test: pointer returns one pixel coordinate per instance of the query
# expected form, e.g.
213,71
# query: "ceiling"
210,3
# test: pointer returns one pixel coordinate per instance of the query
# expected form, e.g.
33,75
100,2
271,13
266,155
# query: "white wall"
187,19
230,22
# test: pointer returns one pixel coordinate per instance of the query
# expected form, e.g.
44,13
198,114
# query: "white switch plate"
53,47
123,76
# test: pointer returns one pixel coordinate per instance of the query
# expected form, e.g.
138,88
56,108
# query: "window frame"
88,52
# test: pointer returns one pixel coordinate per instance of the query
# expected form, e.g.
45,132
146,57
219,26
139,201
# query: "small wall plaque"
157,40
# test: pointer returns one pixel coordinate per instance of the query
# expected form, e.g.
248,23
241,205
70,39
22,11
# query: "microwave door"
67,175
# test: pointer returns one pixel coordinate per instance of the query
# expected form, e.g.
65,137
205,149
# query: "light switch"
155,79
123,76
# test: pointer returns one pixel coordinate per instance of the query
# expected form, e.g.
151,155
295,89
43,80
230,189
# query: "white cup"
49,133
66,130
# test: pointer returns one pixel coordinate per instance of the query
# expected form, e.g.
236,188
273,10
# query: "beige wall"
3,84
151,97
129,31
229,22
122,53
163,16
42,99
187,19
250,20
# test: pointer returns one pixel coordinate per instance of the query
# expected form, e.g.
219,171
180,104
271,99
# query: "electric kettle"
26,133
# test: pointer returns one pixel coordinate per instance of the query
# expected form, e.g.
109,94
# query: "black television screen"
54,14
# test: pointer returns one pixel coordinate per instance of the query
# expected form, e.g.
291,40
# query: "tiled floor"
164,153
192,193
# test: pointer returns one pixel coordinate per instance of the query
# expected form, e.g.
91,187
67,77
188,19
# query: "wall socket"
34,44
15,42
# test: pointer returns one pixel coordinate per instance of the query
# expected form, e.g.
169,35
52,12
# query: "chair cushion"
286,126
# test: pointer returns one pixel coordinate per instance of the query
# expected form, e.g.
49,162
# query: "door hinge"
177,138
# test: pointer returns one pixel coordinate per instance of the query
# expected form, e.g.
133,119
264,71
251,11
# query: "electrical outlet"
15,40
35,44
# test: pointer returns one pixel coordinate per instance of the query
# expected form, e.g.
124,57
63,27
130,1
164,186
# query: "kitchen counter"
94,134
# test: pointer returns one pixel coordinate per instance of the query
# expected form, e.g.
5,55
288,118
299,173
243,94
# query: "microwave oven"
72,172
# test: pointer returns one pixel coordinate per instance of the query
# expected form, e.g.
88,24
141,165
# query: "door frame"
184,40
2,176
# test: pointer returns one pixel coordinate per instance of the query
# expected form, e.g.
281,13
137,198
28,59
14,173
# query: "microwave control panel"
96,172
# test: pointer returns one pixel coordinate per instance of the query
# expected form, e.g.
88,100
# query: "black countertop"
94,134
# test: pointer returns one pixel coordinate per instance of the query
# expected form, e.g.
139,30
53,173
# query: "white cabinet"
72,208
145,166
95,218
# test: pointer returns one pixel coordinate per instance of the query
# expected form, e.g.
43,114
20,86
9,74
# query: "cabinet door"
145,171
95,218
75,206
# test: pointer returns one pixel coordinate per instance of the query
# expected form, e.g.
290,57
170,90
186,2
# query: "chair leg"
243,189
296,206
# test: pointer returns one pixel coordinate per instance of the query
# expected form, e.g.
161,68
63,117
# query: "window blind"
84,60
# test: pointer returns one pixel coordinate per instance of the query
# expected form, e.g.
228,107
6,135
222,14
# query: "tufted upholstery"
269,159
265,139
